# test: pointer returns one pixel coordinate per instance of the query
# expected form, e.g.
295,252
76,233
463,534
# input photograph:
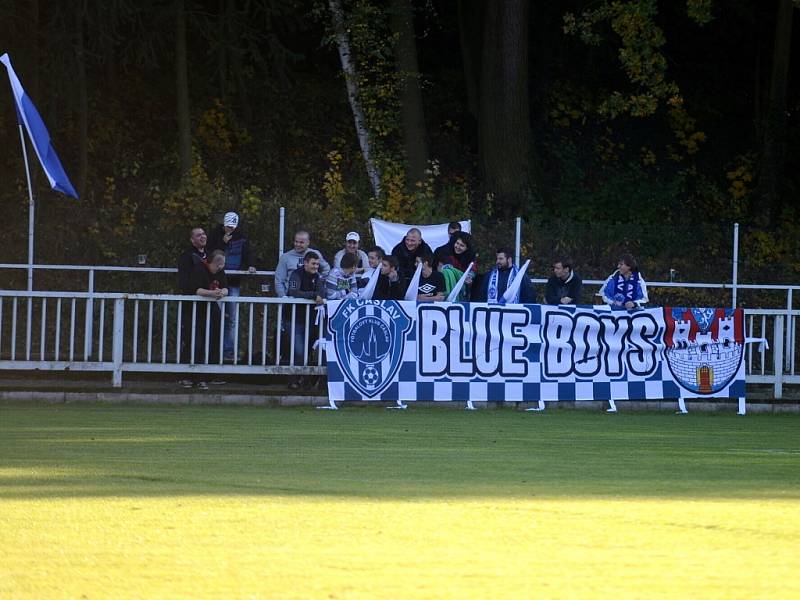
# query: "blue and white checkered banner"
405,351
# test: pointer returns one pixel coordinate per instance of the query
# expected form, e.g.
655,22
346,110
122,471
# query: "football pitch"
244,502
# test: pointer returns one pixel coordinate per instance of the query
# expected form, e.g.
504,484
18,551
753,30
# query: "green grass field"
240,502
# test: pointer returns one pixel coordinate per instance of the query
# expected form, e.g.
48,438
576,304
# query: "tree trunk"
83,100
470,33
411,108
504,135
222,47
343,43
182,89
773,150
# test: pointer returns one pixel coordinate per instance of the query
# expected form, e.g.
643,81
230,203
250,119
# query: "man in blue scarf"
625,287
496,282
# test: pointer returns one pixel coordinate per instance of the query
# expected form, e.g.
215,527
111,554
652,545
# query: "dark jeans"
198,352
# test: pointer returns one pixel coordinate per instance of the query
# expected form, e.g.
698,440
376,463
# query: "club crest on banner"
704,347
368,337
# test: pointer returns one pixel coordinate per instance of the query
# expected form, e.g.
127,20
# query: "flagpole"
30,209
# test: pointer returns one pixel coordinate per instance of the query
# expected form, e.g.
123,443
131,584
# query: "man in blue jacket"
229,238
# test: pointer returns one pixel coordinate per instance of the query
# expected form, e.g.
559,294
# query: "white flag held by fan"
369,289
513,288
457,287
413,288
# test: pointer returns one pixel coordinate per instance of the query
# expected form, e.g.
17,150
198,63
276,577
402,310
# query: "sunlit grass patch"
247,503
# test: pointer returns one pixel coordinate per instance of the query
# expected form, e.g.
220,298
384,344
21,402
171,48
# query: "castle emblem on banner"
369,337
704,346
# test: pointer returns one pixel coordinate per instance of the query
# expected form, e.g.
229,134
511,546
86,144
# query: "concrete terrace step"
273,392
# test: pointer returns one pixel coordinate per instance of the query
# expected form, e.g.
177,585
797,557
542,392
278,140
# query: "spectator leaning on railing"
564,286
293,259
625,287
193,256
209,281
305,282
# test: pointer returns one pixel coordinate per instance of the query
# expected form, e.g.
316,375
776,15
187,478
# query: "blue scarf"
625,289
493,295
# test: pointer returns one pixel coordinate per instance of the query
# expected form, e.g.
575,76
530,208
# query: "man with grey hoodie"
293,259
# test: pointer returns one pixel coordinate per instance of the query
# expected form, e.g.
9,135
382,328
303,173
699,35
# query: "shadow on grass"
130,451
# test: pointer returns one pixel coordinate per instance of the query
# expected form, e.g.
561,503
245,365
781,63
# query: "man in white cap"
229,238
351,242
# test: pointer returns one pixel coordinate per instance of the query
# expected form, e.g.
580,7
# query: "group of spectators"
303,272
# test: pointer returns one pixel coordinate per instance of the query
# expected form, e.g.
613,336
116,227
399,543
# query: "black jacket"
305,285
447,254
237,251
186,266
407,260
389,290
556,289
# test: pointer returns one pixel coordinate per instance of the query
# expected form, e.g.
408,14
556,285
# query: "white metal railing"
156,333
120,333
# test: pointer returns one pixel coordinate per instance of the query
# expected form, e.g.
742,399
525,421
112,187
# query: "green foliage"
640,52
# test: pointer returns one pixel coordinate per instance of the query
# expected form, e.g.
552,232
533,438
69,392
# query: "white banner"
387,235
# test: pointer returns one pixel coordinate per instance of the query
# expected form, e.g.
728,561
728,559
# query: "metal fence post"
281,231
117,342
778,357
89,333
789,331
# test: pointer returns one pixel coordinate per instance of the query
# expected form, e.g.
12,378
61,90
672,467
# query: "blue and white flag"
37,132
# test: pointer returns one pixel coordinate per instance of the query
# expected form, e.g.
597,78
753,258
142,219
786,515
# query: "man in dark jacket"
390,284
229,238
193,257
495,283
564,287
407,252
305,282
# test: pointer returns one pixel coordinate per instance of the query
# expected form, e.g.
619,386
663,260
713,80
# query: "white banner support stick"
331,404
735,263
